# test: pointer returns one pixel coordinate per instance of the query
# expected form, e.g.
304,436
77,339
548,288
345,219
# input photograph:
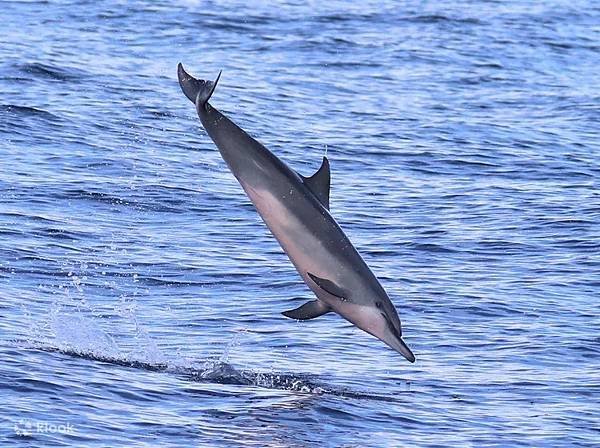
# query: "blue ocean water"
140,294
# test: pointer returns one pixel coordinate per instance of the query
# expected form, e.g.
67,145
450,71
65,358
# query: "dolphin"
296,210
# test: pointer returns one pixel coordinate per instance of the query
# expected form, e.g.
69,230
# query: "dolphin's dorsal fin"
310,310
320,182
329,286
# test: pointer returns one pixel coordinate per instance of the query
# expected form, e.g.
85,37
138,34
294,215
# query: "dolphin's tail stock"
198,91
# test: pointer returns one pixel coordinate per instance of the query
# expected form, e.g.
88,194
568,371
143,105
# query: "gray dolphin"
296,210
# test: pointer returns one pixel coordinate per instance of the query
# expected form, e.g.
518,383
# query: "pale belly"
305,249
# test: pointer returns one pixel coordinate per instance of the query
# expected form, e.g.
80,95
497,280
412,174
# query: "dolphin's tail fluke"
198,91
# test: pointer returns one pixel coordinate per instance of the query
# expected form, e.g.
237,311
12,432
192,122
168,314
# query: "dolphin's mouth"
397,333
396,342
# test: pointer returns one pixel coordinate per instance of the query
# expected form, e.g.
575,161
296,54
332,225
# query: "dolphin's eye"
378,305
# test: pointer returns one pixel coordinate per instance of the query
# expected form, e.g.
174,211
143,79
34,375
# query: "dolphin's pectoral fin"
329,287
320,182
310,310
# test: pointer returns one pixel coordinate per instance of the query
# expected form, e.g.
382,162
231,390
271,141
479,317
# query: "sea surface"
140,293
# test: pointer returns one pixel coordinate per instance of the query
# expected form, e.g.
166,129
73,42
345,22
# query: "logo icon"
23,428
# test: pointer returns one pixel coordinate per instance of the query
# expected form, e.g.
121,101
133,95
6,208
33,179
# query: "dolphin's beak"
400,346
392,338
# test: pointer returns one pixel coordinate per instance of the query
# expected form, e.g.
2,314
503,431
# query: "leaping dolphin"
296,210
